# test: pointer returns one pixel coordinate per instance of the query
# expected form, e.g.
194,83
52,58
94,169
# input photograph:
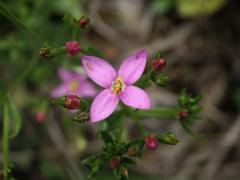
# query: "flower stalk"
5,140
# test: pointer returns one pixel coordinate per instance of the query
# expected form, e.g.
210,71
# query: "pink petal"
64,74
100,71
86,90
135,97
59,91
133,67
103,105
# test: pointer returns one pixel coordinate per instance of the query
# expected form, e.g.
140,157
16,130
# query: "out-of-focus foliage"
189,8
195,8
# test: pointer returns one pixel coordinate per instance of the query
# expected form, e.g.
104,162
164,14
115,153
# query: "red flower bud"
151,141
83,21
158,64
40,116
115,162
182,115
73,47
72,102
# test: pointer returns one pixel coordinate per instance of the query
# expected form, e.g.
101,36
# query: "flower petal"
100,71
59,91
86,90
64,74
132,67
135,97
103,105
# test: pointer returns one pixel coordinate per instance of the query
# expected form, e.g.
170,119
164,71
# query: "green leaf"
190,131
128,161
168,138
106,137
195,8
144,81
15,116
11,17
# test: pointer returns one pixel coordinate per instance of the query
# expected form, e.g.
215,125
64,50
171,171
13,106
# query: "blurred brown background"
200,40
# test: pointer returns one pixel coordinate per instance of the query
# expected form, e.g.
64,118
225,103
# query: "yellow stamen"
118,85
74,85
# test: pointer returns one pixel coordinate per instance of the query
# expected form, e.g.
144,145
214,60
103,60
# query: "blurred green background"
200,40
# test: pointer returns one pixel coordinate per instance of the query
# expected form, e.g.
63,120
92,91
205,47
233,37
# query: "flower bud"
72,102
169,138
45,52
82,117
83,21
73,47
132,151
158,64
40,116
182,115
151,141
115,162
124,172
159,79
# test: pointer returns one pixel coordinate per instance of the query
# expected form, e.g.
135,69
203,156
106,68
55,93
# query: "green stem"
140,126
121,127
5,140
11,17
78,34
158,113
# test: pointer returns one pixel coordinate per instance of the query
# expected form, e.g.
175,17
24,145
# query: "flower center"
118,85
74,85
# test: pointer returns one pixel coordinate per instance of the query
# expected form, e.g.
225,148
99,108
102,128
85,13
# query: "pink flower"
118,85
73,47
73,84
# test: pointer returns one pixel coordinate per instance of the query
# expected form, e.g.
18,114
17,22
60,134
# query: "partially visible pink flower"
73,84
73,47
118,85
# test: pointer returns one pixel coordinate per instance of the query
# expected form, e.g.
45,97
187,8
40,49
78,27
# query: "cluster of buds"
70,102
156,76
50,52
70,47
82,22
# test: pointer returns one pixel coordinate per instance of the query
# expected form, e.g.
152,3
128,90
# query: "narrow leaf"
17,121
